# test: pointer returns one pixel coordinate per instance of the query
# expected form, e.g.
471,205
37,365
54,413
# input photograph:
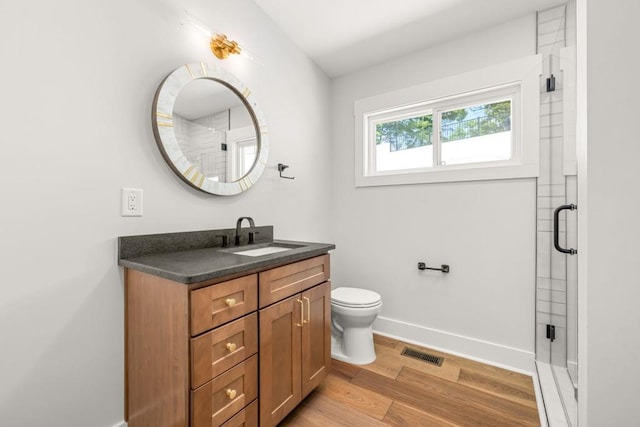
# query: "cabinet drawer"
282,282
248,417
224,347
220,303
221,398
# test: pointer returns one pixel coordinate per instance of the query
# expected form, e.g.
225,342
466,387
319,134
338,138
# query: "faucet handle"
225,239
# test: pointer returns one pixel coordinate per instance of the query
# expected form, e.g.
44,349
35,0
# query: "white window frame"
518,80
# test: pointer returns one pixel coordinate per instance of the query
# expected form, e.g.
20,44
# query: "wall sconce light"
222,47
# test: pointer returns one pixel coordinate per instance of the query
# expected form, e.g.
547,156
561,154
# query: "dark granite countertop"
186,262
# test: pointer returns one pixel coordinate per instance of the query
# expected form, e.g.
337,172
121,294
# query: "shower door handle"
556,229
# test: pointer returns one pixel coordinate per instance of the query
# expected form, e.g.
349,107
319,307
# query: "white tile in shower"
545,213
558,190
559,308
544,225
545,173
551,318
544,190
551,295
543,258
551,284
552,308
551,131
547,224
554,118
549,190
552,14
551,26
557,164
547,97
550,43
543,295
550,108
550,202
545,164
558,263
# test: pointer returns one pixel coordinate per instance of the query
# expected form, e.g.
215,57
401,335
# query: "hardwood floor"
399,391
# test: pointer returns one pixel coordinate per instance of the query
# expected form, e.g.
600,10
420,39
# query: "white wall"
77,85
609,224
484,230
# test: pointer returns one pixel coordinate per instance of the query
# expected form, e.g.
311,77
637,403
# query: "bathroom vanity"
232,336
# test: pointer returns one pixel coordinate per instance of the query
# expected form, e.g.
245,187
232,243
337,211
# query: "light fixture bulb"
188,18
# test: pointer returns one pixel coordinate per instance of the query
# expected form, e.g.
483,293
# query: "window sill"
450,174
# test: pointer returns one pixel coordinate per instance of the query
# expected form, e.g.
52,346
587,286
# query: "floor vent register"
421,355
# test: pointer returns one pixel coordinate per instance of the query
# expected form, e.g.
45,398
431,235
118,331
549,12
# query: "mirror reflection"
215,130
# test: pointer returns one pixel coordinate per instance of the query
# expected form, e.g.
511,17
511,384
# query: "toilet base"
359,348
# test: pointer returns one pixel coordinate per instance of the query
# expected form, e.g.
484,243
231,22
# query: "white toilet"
353,311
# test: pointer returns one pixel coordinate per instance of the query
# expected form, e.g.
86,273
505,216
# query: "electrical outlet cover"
131,202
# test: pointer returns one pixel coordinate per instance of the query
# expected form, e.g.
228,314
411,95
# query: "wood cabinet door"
280,338
316,336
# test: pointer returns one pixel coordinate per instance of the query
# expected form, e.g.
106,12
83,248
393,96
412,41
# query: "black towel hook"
282,167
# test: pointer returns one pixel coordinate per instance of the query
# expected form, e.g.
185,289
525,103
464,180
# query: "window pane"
479,133
404,144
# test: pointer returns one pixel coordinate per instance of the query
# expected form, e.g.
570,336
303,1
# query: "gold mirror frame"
163,128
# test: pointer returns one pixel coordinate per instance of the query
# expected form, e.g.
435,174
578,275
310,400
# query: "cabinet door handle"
308,310
301,324
230,302
231,394
231,347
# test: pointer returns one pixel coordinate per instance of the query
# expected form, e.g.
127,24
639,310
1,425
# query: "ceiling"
346,35
203,97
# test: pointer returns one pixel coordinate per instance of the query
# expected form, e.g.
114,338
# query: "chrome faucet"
239,224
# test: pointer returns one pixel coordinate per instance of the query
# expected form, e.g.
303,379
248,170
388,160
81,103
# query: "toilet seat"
355,298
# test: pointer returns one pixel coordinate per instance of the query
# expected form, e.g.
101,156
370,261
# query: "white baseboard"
121,424
482,351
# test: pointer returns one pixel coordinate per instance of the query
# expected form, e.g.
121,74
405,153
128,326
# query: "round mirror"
209,129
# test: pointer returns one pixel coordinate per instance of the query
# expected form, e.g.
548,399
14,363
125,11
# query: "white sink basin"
263,251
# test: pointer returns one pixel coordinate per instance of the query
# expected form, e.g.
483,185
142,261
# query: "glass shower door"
557,263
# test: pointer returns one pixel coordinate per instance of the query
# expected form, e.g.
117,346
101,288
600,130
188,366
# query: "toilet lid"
355,297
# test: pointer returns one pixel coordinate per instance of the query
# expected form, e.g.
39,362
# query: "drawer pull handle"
231,394
230,302
308,310
302,322
231,346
